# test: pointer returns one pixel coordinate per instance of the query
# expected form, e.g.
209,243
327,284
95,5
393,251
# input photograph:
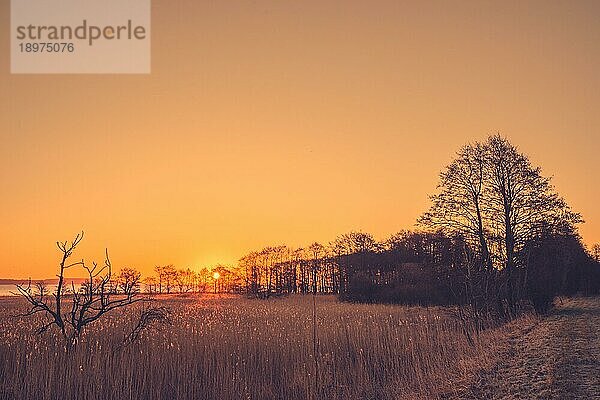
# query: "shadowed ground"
558,358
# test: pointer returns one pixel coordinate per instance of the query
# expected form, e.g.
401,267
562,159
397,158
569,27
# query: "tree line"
333,267
169,279
497,238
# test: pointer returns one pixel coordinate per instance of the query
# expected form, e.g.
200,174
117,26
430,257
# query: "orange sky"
270,122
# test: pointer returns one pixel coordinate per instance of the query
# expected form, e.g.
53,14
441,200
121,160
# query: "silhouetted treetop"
497,200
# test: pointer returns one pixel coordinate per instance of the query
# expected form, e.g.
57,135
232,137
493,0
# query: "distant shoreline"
51,281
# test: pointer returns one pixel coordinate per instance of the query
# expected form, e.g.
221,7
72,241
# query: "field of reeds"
235,348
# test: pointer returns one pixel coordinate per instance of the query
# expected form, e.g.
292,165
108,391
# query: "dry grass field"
234,348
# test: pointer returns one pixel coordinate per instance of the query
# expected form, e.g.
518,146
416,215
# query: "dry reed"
233,348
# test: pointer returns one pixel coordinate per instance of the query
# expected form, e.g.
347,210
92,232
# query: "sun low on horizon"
268,123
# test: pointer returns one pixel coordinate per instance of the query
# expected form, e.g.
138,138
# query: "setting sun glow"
289,122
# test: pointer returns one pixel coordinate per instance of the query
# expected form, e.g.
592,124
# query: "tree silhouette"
522,203
498,202
129,280
91,302
460,206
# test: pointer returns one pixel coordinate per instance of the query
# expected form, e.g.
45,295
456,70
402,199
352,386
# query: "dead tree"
88,304
129,280
37,301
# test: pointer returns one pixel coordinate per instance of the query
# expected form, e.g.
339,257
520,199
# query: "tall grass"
247,349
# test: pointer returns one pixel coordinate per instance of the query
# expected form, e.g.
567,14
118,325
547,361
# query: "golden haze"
271,122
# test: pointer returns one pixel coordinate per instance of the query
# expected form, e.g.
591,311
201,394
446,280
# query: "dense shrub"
409,283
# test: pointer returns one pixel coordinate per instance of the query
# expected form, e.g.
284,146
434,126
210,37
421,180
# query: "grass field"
234,348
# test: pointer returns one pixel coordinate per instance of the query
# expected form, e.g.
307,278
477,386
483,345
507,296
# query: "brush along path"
559,358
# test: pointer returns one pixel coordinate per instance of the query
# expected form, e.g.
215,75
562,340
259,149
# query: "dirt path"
558,358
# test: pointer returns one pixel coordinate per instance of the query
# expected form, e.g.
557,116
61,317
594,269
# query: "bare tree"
493,197
160,274
94,299
523,206
317,252
522,203
129,280
186,280
458,208
169,276
39,304
151,285
88,304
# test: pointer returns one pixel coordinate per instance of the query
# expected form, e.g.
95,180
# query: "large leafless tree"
85,305
493,196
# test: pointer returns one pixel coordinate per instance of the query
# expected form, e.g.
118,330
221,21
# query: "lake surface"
5,290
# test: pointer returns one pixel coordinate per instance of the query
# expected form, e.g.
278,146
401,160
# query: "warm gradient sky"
267,122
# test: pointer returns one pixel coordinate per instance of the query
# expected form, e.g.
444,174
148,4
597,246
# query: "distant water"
5,290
